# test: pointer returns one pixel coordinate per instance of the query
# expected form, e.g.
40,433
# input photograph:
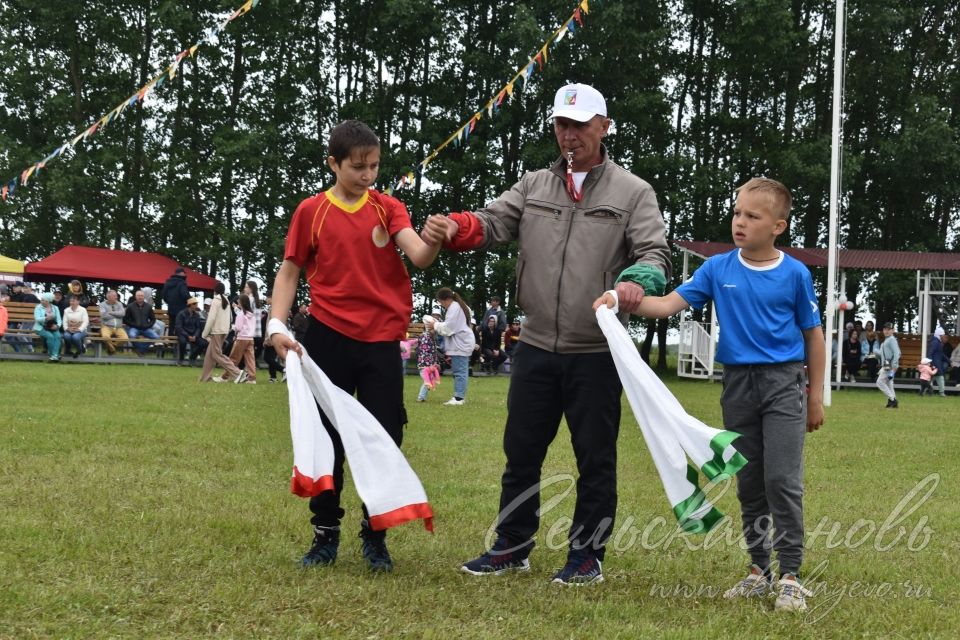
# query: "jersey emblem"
380,237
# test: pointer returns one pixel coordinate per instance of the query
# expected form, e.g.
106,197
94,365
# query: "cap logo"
570,97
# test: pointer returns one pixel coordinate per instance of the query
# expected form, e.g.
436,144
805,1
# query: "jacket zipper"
563,260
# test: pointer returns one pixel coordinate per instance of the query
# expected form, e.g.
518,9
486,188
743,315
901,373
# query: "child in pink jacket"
245,328
926,371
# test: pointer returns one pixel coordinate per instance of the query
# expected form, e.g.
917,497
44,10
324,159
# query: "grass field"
138,503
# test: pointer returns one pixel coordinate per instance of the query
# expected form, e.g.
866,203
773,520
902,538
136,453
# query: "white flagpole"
838,55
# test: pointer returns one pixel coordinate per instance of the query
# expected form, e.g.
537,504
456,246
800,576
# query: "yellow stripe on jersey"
348,208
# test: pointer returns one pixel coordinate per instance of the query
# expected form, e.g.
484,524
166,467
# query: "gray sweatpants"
885,384
767,404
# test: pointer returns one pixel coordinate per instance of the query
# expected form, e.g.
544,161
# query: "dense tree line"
704,94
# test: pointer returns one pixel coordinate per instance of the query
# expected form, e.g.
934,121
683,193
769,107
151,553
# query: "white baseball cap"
578,102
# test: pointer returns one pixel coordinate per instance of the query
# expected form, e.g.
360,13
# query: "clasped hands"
438,229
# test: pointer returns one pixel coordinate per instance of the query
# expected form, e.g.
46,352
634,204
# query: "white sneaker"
218,379
790,595
240,378
453,402
755,585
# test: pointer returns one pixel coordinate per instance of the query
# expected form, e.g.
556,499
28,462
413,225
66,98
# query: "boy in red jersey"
346,241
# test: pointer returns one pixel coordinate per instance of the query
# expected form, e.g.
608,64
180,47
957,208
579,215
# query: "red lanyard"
576,195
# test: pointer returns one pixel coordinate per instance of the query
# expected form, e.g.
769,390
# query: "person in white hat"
938,360
585,225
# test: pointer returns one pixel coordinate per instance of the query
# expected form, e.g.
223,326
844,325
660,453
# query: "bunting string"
493,105
10,186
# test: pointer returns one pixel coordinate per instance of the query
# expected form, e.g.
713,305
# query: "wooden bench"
20,332
911,346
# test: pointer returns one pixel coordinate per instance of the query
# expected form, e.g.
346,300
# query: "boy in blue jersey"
770,325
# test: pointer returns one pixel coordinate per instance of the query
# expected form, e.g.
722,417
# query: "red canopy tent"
112,266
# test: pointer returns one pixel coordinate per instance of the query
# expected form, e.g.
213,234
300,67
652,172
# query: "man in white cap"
585,225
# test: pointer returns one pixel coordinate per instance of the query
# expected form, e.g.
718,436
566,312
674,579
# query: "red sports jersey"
359,286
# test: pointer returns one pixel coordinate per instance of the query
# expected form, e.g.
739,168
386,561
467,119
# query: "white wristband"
276,326
616,300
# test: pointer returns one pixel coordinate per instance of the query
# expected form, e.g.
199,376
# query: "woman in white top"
458,340
75,324
252,289
215,332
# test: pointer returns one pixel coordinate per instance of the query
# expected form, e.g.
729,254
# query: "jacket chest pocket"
542,210
603,215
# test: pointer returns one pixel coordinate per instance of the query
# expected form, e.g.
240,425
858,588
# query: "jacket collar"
559,168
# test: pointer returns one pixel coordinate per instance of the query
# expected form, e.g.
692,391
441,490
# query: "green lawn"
135,502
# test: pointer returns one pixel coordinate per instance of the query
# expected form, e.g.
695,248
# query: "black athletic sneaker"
323,552
582,568
374,549
504,556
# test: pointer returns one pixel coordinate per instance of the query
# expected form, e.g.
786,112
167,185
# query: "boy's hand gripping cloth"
670,433
384,480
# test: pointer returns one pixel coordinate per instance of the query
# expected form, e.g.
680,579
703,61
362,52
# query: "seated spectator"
111,322
19,343
955,367
46,322
511,338
61,302
148,296
870,350
140,320
851,355
76,289
28,295
490,345
188,327
75,324
3,310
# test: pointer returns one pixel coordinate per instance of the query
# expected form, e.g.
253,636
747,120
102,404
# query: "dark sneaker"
504,556
374,549
323,552
582,568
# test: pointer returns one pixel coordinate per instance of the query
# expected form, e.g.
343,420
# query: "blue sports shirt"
761,310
